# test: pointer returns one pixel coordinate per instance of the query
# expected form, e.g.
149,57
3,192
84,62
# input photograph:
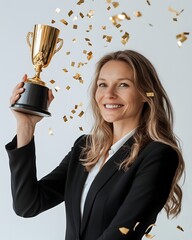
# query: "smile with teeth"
112,106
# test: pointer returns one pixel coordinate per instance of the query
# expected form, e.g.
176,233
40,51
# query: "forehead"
116,68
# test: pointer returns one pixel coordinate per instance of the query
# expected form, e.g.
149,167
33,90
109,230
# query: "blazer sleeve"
30,196
147,196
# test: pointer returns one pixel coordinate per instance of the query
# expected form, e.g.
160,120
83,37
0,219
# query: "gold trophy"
43,47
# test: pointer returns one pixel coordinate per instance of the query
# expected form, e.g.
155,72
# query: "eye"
123,85
101,85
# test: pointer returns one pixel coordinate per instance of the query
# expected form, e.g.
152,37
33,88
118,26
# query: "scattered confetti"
181,38
80,128
74,40
81,15
65,70
174,11
57,88
75,26
64,21
72,64
180,228
68,87
67,53
90,13
70,13
137,14
80,2
50,131
150,94
52,81
52,21
108,38
81,114
148,2
124,230
65,118
89,55
115,4
57,10
125,38
108,8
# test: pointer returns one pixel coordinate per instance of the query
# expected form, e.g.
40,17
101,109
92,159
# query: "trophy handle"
60,46
29,35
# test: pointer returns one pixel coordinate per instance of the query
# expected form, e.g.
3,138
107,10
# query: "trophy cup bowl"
44,45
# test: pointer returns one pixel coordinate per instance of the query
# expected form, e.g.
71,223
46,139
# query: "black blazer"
116,199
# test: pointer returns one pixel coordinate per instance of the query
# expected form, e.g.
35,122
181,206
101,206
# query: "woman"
116,180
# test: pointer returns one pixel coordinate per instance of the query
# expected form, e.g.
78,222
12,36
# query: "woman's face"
117,97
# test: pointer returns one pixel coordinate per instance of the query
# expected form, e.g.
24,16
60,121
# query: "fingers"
18,90
50,97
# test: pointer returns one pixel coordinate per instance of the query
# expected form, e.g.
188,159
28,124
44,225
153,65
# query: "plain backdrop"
153,34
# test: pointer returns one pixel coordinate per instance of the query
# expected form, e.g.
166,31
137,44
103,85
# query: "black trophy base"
33,100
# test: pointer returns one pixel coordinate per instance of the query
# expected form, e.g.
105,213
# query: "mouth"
113,106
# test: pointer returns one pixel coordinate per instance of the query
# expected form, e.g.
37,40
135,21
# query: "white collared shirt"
94,171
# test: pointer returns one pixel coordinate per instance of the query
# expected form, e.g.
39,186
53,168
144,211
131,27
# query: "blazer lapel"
108,170
77,188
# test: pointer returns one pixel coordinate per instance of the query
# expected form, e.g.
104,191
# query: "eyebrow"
103,79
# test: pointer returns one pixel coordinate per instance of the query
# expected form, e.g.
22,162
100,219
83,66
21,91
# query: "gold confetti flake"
52,81
80,128
175,11
150,94
74,40
89,55
70,13
108,1
148,2
107,37
115,4
85,51
65,118
71,117
75,18
65,70
73,111
57,88
180,228
80,2
67,53
136,226
103,27
57,10
77,76
50,131
125,38
175,19
87,39
81,15
64,21
137,14
68,87
76,106
75,26
124,230
52,21
72,64
181,38
81,114
118,26
119,17
108,8
90,13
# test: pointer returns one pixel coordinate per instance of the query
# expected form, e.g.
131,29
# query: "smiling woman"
118,99
117,179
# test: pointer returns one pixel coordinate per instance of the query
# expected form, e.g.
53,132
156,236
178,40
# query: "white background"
153,34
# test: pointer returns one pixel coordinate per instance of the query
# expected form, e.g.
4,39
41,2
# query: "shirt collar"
115,147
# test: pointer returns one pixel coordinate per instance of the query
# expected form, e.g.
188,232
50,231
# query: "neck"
121,131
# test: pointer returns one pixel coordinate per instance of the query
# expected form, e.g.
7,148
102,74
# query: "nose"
110,92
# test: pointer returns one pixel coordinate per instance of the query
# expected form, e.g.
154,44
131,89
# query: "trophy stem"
36,79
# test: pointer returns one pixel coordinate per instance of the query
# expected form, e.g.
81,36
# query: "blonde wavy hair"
156,122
